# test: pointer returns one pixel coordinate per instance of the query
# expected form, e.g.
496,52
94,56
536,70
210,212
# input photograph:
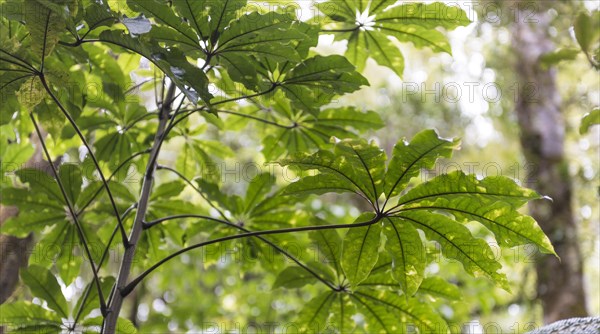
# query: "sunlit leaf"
44,285
360,250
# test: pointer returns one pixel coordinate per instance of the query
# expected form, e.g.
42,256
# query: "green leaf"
313,316
72,180
491,201
241,68
335,120
428,16
213,193
387,312
198,157
378,6
123,325
381,275
92,301
355,166
49,117
209,18
28,222
414,23
357,50
302,133
342,312
360,250
258,189
44,285
194,12
165,15
459,185
58,249
115,147
331,178
15,155
97,15
419,36
269,35
556,56
384,52
45,22
439,287
257,48
317,80
365,163
586,29
36,212
408,254
342,10
589,119
269,205
170,61
167,190
21,314
458,243
409,158
221,13
294,277
329,246
41,181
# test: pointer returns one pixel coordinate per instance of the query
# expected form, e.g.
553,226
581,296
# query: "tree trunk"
14,252
559,284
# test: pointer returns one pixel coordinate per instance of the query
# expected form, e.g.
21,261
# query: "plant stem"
110,322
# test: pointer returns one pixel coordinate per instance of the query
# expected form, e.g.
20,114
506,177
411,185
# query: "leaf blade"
44,285
360,250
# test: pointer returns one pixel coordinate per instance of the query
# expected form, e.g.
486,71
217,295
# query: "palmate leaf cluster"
215,67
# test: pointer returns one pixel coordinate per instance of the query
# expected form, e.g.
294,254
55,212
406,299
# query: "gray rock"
571,326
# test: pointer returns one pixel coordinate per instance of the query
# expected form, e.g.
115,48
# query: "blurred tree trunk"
14,252
560,283
13,255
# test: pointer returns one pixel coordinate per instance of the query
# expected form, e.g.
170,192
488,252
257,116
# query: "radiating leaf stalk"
71,209
23,63
127,289
94,160
227,222
45,42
